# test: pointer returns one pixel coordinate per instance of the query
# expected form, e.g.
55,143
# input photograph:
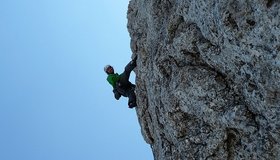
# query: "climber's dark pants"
124,77
126,88
132,98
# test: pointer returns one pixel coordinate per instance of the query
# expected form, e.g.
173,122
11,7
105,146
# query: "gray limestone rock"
208,77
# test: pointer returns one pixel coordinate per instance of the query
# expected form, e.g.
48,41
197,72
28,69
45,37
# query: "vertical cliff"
208,77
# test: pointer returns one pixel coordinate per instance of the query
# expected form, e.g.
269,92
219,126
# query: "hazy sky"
55,102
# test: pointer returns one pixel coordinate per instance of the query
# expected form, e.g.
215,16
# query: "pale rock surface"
208,77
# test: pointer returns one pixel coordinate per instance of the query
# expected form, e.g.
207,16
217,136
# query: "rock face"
208,77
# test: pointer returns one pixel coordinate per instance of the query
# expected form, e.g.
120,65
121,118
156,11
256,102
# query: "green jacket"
113,78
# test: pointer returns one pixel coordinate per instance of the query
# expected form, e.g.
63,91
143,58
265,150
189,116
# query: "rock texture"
208,77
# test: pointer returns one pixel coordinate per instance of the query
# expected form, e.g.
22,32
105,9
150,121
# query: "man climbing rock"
121,84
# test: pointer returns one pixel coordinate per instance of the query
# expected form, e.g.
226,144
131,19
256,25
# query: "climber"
121,84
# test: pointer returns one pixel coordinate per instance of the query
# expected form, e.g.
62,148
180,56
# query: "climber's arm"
116,94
